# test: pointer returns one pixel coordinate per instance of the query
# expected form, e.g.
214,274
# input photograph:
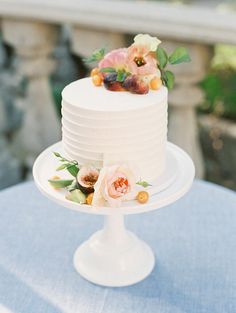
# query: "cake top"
137,69
82,93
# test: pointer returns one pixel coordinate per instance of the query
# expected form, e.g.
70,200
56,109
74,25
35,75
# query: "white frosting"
105,127
83,95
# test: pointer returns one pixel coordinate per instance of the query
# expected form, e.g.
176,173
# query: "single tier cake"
114,124
103,127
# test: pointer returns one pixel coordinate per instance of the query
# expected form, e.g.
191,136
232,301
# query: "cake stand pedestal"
114,256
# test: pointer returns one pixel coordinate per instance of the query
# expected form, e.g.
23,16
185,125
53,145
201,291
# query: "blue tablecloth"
194,241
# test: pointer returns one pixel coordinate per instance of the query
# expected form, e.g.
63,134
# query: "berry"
94,71
89,198
56,177
135,85
97,80
142,197
155,83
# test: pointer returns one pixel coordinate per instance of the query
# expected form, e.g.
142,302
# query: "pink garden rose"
115,184
116,59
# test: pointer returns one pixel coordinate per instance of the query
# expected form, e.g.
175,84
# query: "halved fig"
134,84
86,178
111,83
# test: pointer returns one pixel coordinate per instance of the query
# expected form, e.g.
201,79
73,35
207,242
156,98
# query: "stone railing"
31,28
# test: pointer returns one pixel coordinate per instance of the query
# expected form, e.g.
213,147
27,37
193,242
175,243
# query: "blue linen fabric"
194,241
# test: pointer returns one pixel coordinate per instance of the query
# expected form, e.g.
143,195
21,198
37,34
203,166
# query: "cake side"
134,131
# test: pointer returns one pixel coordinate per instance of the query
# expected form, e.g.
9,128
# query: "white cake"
114,124
102,127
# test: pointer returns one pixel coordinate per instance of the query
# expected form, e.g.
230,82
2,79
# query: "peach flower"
140,61
116,59
115,184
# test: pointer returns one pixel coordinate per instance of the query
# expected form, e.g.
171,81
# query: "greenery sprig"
60,183
179,55
96,56
71,166
143,183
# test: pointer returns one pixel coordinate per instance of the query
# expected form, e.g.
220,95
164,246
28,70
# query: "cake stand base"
114,257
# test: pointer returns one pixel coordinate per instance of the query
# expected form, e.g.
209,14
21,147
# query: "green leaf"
60,183
107,70
180,55
121,75
57,154
76,196
162,57
73,169
169,79
62,167
143,183
96,56
73,186
61,157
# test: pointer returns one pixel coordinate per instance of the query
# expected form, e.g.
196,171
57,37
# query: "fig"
134,84
110,77
86,179
111,83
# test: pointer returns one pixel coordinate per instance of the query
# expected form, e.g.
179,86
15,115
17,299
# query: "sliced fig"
86,178
134,84
111,83
110,77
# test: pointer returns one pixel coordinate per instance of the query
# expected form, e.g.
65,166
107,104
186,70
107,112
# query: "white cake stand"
114,256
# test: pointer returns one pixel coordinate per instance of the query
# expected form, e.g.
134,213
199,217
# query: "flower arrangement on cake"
110,185
138,68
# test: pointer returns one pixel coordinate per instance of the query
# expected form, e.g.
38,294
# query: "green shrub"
220,93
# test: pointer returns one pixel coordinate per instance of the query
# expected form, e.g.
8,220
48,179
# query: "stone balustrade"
31,28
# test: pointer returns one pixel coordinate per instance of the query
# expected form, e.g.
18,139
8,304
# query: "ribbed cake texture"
102,127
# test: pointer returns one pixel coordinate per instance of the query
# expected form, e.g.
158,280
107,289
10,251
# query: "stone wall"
10,119
28,118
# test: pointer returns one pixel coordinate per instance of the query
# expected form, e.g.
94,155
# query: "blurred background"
42,44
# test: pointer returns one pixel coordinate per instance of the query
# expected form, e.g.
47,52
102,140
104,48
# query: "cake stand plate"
114,256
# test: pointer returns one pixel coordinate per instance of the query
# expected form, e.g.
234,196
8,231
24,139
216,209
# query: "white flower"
115,184
147,40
